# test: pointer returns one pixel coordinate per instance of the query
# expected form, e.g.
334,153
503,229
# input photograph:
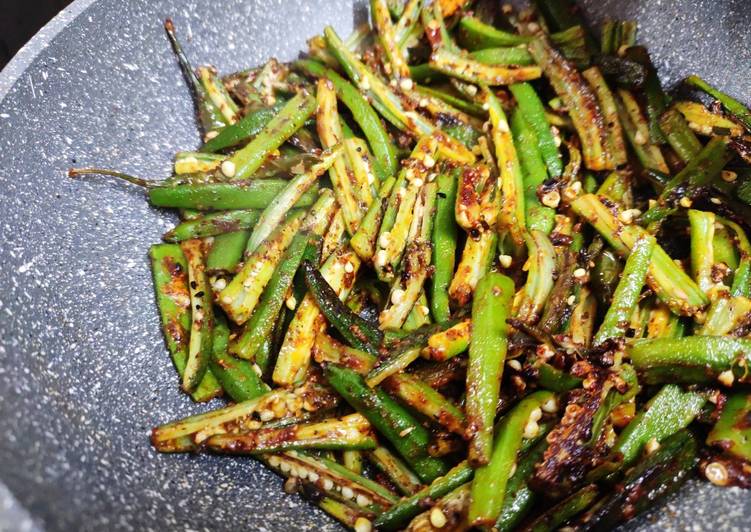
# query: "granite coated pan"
83,370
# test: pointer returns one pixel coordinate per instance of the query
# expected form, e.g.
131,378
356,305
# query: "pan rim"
26,56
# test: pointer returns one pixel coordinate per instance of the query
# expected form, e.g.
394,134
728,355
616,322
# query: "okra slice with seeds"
399,213
477,257
580,101
414,269
473,71
511,211
218,94
364,239
202,314
349,432
341,173
186,434
273,215
241,295
357,331
449,511
396,62
665,277
540,277
339,271
245,161
331,478
306,242
395,469
448,343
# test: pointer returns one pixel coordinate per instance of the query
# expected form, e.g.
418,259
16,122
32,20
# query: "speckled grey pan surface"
83,370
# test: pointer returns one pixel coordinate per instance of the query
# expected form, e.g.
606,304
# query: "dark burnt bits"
571,453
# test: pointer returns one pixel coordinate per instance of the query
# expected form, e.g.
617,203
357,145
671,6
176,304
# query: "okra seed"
417,182
437,517
290,485
397,296
685,202
652,445
512,470
363,525
406,84
550,406
347,492
291,302
640,138
531,429
274,461
514,364
579,273
313,476
228,168
362,500
285,467
349,268
428,162
365,84
505,260
381,258
728,176
556,135
716,473
535,415
227,300
406,431
220,284
716,201
266,415
383,240
328,484
551,199
726,378
571,300
210,135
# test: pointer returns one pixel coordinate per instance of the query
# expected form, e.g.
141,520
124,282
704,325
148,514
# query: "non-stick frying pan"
83,369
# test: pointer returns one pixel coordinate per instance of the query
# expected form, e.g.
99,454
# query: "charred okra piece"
170,272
